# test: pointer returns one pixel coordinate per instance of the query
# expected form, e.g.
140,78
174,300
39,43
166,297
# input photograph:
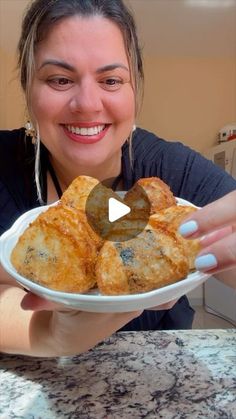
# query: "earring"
30,131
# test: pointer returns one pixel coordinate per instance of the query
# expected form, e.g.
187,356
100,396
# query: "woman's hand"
71,331
33,326
216,225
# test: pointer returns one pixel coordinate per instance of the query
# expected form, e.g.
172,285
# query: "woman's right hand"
67,331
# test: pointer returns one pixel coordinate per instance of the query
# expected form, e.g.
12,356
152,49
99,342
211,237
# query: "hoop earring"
31,132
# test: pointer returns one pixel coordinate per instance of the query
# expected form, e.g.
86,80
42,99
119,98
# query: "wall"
188,98
12,107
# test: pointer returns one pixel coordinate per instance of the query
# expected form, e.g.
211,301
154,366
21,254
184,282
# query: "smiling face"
81,95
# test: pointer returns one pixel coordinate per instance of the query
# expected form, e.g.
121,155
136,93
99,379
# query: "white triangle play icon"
116,209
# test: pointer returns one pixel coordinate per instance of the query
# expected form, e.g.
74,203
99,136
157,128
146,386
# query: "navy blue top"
188,174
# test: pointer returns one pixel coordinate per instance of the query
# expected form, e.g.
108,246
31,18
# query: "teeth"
85,131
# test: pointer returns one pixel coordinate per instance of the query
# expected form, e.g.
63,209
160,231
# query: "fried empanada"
92,197
173,216
57,251
76,195
153,259
152,192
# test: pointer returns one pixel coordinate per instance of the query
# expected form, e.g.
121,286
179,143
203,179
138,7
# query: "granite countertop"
169,375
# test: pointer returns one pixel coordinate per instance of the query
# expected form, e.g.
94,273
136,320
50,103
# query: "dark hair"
40,16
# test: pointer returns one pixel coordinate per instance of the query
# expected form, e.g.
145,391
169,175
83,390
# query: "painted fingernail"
188,228
206,262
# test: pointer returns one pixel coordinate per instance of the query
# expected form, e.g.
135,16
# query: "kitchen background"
189,51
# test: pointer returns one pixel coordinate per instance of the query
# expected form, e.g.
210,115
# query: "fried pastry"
76,195
126,229
152,192
91,196
173,216
57,251
151,260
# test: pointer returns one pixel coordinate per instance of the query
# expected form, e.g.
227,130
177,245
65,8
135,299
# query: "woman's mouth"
86,134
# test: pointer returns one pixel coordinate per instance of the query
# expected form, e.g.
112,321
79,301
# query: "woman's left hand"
215,225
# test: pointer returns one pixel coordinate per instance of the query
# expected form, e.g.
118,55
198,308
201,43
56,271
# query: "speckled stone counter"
176,374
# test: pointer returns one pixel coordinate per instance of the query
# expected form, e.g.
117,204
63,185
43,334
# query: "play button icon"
116,210
114,219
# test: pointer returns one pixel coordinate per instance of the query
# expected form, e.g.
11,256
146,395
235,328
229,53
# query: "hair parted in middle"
42,14
39,18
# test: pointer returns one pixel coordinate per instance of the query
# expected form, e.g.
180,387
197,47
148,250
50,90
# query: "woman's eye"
60,83
111,84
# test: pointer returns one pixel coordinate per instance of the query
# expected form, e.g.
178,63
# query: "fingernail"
205,262
188,228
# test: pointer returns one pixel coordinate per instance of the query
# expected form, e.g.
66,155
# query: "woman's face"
81,95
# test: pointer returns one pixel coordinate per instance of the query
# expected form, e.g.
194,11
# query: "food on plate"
60,250
91,196
150,192
151,260
126,228
173,216
157,257
77,193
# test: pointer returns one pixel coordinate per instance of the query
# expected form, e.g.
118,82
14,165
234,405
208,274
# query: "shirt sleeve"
189,175
195,178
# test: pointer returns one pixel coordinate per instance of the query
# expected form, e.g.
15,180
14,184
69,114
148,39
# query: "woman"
82,75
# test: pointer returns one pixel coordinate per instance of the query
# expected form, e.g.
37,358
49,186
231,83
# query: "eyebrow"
69,67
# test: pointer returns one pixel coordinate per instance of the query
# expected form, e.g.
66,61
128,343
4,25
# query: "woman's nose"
86,98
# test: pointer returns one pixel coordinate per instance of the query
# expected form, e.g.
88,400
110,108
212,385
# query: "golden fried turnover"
152,189
57,251
151,260
125,229
173,217
76,195
92,197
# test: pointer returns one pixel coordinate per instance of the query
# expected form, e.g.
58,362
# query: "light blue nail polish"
205,262
188,228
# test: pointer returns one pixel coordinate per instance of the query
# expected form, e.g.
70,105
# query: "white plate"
93,301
